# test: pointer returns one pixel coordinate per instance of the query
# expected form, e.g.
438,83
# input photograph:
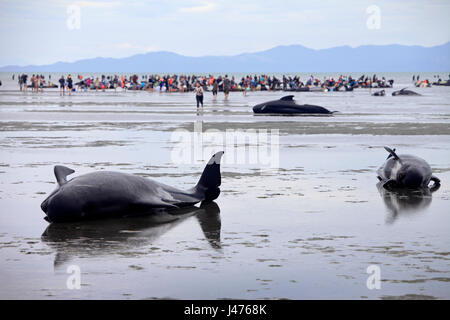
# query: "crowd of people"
426,83
214,84
37,82
346,83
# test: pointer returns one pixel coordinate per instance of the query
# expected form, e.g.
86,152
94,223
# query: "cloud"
206,7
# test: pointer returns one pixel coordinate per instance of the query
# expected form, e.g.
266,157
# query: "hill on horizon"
292,58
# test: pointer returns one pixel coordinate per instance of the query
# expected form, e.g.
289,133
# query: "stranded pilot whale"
406,171
287,105
380,93
106,194
404,92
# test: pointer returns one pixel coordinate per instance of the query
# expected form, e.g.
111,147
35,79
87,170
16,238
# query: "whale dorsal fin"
287,98
61,174
392,153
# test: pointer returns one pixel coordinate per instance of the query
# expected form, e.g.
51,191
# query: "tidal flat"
307,227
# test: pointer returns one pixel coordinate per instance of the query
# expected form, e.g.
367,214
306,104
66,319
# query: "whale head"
62,204
259,107
410,177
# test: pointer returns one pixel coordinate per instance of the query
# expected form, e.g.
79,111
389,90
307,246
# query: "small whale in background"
107,194
379,93
287,105
406,171
405,92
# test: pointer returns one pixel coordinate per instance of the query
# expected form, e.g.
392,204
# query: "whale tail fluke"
210,179
392,153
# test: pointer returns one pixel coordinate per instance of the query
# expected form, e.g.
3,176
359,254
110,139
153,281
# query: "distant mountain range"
293,58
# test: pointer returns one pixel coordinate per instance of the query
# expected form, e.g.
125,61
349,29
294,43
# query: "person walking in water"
226,86
198,94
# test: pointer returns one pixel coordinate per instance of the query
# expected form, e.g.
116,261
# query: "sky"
47,31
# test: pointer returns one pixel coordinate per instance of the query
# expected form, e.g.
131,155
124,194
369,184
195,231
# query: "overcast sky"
42,31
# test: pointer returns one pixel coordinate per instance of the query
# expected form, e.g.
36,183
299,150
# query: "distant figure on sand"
198,94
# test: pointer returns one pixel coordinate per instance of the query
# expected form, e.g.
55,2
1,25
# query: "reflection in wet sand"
103,237
405,202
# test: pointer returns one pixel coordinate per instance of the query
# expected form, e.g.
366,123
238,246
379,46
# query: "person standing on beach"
41,83
115,83
36,83
61,86
24,82
69,84
226,86
32,83
246,86
20,81
96,84
198,94
122,82
215,89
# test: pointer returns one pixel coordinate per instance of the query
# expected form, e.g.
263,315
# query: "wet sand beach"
307,228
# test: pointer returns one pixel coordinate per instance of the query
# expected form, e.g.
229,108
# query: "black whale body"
406,171
287,105
107,194
404,92
380,93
